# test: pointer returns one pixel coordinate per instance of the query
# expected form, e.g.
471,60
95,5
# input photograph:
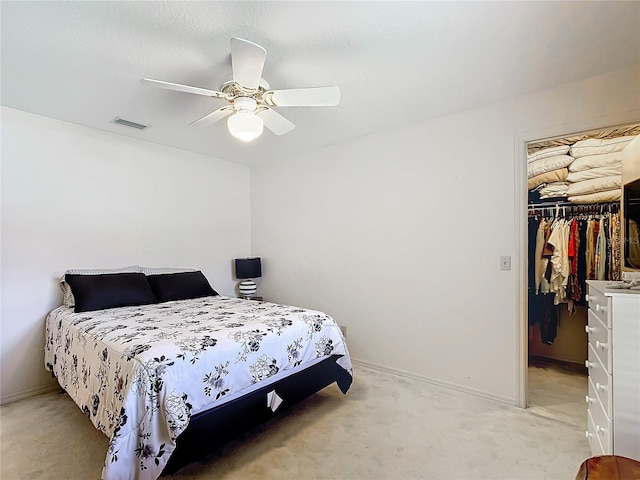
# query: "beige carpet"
557,390
387,427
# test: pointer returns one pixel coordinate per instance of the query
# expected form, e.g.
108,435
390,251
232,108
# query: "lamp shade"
248,267
245,125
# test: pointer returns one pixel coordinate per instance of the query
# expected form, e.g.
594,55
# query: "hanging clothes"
564,252
559,239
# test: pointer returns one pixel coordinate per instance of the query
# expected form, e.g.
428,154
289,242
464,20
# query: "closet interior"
574,235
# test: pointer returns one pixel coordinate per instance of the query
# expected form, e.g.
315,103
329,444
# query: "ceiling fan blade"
214,116
276,122
247,61
182,88
304,97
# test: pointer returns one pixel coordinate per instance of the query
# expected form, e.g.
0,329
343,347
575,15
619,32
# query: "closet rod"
538,206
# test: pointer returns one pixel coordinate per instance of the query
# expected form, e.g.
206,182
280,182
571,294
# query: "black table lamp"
246,270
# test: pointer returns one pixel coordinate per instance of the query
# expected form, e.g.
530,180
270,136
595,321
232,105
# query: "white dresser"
613,400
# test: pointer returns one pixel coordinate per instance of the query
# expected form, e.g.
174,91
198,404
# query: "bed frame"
210,430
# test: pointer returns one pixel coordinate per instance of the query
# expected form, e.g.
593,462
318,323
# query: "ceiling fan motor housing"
245,104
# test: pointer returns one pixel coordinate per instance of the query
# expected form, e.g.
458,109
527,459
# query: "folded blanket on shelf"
595,146
555,189
559,175
548,152
598,197
592,173
548,164
595,185
613,159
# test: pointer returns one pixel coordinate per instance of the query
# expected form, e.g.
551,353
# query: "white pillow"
613,159
548,152
595,185
596,146
548,164
559,175
592,173
555,189
598,197
67,294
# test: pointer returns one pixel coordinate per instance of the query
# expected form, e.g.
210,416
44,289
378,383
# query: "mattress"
139,373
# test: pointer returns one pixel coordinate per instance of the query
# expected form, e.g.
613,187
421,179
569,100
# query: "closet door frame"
521,139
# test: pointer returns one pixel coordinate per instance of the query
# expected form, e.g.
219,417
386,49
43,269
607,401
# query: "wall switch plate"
505,262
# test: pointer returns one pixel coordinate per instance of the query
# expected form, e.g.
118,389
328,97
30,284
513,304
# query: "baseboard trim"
30,392
433,381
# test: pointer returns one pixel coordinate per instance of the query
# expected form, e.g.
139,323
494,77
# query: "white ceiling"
396,63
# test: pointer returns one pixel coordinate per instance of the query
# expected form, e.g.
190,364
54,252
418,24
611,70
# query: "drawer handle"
600,344
588,399
588,364
588,434
601,308
589,329
587,297
599,429
601,387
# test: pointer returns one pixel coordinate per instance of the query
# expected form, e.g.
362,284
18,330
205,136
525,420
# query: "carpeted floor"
557,390
386,427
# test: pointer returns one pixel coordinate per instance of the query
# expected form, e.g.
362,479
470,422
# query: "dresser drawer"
600,340
600,306
592,437
602,425
600,385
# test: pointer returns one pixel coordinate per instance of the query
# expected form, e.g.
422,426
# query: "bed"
168,380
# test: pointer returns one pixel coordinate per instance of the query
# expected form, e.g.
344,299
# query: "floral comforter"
139,372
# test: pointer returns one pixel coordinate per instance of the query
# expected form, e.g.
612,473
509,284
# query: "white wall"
398,235
75,197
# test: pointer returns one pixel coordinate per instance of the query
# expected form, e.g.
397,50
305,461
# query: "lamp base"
247,288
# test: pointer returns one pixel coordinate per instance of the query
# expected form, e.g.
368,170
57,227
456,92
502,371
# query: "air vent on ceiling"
127,123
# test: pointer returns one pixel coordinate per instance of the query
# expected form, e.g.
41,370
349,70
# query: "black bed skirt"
213,428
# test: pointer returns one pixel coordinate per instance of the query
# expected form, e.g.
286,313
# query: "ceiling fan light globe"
245,126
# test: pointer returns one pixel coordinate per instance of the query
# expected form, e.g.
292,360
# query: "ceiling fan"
249,95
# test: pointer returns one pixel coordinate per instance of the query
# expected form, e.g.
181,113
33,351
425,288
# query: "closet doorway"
552,338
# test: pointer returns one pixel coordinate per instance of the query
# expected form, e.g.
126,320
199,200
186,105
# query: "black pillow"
180,286
110,290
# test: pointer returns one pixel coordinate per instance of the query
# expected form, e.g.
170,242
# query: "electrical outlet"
505,262
343,329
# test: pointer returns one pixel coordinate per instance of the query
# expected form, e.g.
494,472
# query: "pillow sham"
180,286
67,295
110,290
